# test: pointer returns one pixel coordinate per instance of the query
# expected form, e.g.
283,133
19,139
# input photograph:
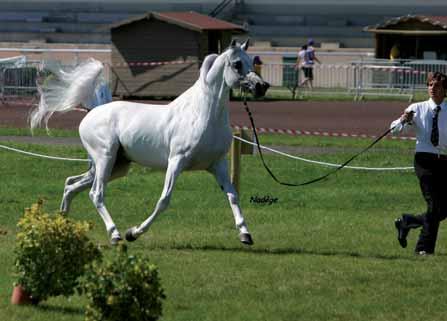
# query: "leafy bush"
123,288
52,251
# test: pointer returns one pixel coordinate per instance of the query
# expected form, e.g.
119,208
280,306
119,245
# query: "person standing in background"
257,65
103,95
395,52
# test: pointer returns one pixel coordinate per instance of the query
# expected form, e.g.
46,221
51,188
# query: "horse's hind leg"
175,167
77,184
74,185
103,170
73,179
220,172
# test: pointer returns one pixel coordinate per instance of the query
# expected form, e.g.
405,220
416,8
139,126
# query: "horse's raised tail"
63,91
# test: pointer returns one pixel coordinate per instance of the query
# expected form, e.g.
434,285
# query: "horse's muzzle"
261,89
255,84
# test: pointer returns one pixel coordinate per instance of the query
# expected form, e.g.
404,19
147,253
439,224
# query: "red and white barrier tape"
152,63
296,132
391,69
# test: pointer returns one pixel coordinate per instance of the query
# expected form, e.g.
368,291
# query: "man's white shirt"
422,124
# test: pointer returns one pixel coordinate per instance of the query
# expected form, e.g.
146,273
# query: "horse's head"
239,71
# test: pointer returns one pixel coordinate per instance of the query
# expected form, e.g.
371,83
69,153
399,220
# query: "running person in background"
310,47
306,60
311,59
301,64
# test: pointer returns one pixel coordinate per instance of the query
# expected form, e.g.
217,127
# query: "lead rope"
315,179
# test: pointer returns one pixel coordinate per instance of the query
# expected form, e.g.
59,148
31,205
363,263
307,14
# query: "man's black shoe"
402,232
423,253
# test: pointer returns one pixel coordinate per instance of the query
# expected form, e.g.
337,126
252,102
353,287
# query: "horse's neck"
217,92
206,101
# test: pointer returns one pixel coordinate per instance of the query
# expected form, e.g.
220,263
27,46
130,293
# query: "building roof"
189,20
438,24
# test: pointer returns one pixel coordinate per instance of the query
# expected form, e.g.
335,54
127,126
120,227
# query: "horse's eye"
237,65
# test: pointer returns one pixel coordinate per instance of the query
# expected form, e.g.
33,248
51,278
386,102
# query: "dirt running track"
369,118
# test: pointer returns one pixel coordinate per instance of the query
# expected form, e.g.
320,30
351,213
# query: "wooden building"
159,54
413,37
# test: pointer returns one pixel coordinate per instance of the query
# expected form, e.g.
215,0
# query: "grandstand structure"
334,23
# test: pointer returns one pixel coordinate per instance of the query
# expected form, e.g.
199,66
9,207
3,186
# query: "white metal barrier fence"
398,77
358,78
327,78
18,81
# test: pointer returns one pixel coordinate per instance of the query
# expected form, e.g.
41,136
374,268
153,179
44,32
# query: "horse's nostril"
264,88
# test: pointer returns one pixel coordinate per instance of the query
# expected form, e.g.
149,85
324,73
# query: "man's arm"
297,64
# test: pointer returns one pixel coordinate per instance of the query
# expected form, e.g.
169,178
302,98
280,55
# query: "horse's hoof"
130,236
246,238
115,238
114,241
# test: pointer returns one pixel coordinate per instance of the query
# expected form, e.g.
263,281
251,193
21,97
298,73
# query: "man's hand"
407,117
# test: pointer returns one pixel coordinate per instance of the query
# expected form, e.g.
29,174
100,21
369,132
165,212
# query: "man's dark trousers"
431,170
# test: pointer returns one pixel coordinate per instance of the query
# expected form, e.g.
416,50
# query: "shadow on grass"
291,251
60,309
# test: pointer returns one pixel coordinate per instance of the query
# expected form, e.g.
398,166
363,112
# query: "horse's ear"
245,44
233,43
206,66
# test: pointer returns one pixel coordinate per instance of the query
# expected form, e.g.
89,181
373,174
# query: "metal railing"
327,78
357,78
17,77
19,81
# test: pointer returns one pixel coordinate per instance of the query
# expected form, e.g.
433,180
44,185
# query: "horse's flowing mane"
62,91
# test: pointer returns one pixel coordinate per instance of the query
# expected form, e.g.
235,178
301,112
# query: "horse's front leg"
175,167
220,172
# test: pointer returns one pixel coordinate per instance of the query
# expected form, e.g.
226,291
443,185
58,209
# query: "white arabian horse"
191,133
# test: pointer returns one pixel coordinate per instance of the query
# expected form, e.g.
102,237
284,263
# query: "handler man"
429,120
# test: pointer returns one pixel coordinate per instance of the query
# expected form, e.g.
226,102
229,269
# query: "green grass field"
327,251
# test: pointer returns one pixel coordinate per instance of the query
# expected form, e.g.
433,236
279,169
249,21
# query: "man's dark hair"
437,76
